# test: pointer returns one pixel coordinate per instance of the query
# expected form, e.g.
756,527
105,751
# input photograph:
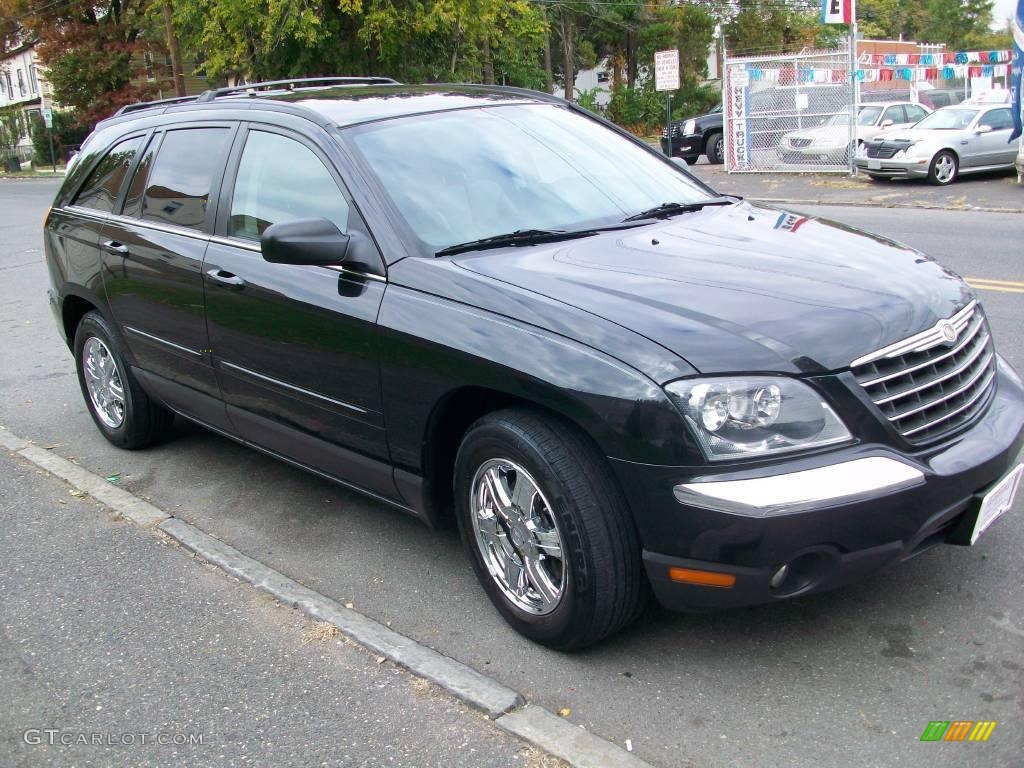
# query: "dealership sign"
738,80
836,11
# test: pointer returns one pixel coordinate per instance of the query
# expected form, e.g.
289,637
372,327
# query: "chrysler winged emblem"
948,331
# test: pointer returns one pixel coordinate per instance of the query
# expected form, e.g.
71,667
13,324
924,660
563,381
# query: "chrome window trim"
150,336
923,341
170,229
841,483
286,385
249,245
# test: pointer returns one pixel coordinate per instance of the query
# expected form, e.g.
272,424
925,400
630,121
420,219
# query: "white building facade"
22,84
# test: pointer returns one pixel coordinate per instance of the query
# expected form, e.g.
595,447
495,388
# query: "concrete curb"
561,738
465,683
506,707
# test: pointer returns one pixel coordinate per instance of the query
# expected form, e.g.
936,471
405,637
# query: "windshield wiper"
519,237
665,210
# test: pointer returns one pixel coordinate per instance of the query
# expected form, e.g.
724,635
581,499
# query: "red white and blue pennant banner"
836,11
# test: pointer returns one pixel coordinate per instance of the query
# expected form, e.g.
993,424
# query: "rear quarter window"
102,187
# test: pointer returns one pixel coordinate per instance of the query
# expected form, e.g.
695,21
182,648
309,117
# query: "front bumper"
689,146
811,154
847,535
895,169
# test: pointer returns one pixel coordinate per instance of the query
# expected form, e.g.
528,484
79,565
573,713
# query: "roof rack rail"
292,84
148,104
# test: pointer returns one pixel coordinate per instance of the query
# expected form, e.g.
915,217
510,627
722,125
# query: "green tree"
92,49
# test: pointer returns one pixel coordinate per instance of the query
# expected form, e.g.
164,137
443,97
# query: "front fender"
431,346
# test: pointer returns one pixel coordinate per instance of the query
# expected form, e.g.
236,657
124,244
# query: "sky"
1002,10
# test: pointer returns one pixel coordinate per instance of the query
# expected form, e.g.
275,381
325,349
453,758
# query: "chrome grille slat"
927,385
967,340
982,390
938,401
978,349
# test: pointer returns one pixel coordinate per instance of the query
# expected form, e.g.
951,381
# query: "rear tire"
595,584
124,413
715,149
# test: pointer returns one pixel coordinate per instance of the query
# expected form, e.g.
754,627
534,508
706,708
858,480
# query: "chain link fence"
788,113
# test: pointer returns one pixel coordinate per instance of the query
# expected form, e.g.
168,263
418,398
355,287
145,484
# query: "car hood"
918,134
741,287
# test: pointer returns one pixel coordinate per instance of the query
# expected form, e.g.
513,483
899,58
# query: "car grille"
799,143
882,151
928,387
676,130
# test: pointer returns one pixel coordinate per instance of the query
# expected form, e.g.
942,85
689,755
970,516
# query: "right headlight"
690,126
736,417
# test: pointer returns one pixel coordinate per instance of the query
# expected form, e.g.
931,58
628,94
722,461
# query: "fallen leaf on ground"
564,712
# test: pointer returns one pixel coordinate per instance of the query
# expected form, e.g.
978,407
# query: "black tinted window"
178,190
278,180
137,188
104,183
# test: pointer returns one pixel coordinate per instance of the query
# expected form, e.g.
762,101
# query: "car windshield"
469,174
868,115
948,119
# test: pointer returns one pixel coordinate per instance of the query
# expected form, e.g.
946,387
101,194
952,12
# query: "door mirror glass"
305,241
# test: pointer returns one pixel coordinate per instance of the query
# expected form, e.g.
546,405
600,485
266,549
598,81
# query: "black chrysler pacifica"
485,304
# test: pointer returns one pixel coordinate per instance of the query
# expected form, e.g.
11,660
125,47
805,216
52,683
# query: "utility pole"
172,46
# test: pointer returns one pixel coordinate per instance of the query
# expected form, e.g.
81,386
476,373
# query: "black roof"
342,101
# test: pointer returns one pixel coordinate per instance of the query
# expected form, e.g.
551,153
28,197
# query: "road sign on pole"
666,70
48,117
666,78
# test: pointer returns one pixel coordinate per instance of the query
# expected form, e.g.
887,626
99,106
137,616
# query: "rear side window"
137,189
178,187
279,180
101,189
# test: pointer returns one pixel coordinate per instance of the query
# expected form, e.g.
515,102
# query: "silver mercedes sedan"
966,138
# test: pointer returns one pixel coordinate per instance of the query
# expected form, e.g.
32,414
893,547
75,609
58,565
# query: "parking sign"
666,70
48,117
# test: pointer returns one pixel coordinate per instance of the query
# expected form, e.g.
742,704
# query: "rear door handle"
114,247
227,279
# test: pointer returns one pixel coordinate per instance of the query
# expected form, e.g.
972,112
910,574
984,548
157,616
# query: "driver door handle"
227,279
114,247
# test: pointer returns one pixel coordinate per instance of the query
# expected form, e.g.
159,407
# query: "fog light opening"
801,573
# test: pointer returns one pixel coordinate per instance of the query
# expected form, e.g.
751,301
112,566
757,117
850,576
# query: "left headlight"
755,415
690,127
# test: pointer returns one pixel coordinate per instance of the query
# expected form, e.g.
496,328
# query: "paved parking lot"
848,678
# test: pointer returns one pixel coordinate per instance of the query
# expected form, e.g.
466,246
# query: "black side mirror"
305,241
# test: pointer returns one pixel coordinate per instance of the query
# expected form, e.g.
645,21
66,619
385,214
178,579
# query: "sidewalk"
988,192
106,629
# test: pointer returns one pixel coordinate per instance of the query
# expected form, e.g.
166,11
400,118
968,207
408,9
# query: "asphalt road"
843,679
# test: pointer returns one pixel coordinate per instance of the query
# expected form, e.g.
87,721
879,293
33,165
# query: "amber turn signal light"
703,578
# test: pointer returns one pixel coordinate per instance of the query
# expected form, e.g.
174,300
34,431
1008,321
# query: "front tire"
944,168
124,413
547,529
715,149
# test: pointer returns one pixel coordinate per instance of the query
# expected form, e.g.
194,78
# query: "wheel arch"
447,425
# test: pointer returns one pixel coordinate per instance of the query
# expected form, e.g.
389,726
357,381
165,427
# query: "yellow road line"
987,284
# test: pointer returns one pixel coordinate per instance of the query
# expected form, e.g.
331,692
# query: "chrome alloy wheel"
518,536
945,167
103,380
